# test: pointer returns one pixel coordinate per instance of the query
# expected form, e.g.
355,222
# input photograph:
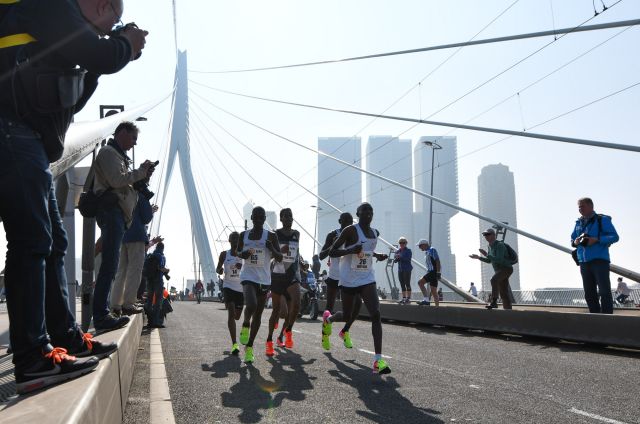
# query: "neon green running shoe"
244,335
326,325
381,367
248,355
346,338
326,343
235,349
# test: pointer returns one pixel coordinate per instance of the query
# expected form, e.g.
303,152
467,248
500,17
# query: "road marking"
373,353
473,386
161,410
596,417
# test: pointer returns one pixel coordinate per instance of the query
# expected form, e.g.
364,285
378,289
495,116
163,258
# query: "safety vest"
12,40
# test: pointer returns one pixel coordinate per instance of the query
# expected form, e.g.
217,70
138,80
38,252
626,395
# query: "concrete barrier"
98,397
611,330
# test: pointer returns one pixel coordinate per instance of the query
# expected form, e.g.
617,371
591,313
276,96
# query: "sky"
549,176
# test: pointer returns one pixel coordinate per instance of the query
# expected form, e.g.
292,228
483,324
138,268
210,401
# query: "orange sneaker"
279,342
288,334
269,351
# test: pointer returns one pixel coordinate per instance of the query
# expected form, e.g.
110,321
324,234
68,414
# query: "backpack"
512,255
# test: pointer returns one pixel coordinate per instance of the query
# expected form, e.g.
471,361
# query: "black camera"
166,275
584,241
119,29
142,186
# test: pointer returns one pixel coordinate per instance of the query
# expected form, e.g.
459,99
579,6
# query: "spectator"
403,258
440,294
433,273
473,290
623,291
124,293
502,267
113,182
156,270
58,55
198,289
592,235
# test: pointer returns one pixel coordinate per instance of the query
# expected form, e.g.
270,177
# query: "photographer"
50,59
113,183
592,235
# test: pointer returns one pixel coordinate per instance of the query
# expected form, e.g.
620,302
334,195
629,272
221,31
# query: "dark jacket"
142,215
404,261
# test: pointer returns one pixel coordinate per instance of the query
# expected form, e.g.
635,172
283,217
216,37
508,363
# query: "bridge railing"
573,297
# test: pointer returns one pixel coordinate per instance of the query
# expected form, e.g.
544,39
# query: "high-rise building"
392,206
338,184
445,186
497,200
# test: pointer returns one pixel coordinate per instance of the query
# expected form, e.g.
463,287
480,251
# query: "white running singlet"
357,269
257,268
231,273
334,266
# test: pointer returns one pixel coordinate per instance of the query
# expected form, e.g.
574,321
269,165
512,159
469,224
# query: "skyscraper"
497,200
445,186
338,184
392,206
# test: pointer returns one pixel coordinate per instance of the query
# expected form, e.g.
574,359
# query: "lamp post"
434,146
315,228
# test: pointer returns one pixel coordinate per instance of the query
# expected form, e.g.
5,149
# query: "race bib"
362,262
257,259
292,255
235,273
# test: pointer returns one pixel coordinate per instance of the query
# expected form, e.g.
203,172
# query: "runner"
285,282
357,276
230,264
256,246
433,273
333,282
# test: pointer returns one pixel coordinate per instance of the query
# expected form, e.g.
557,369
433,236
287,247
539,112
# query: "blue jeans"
595,279
35,279
112,227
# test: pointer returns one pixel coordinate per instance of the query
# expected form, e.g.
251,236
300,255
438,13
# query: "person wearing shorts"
230,264
433,273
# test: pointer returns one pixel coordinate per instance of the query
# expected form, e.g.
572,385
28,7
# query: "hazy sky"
549,176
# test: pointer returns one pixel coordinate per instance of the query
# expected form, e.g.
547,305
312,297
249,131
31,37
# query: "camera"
584,241
142,186
119,29
166,275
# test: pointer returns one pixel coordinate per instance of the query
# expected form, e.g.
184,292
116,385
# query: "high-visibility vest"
13,40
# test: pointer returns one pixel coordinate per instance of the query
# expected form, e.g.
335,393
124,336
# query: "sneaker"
90,347
53,367
269,350
280,343
288,337
244,335
403,301
110,323
424,303
346,338
492,305
326,325
248,355
326,343
132,311
381,367
235,349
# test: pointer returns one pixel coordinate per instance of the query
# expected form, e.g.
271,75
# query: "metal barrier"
573,297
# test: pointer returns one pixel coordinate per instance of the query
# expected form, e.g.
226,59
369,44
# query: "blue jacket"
142,215
606,233
404,261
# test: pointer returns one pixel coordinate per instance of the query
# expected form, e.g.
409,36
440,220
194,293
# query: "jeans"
112,227
156,289
595,279
35,279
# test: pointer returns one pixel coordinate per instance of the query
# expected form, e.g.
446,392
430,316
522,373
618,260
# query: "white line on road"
161,410
373,353
595,417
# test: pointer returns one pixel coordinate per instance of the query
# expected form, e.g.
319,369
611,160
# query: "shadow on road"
380,395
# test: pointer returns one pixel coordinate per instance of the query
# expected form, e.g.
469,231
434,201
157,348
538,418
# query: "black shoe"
90,347
156,326
424,303
492,305
53,366
110,323
132,311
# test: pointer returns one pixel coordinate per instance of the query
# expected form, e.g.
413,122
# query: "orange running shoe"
288,334
279,342
269,351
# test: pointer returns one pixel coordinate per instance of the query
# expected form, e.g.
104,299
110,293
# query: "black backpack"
512,255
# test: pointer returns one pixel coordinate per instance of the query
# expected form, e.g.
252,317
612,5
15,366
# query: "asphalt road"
437,376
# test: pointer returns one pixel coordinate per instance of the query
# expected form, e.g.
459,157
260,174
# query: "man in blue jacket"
592,236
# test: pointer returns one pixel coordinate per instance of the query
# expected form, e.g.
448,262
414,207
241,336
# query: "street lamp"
434,146
315,228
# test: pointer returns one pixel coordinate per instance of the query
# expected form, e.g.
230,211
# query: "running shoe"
280,343
381,367
326,325
92,347
244,335
248,355
235,349
346,338
424,303
288,336
269,350
326,343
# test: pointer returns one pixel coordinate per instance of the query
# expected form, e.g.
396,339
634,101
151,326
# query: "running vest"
334,266
288,267
231,273
357,269
257,268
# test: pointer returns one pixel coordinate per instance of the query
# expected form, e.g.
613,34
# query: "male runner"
256,246
230,264
285,281
333,282
356,247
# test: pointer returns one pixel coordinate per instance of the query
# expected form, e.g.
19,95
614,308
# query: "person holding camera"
51,56
403,259
113,184
498,257
592,235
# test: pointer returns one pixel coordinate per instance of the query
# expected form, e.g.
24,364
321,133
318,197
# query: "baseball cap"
422,241
489,231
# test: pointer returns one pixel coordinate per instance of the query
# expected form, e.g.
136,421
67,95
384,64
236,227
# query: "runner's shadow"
221,369
380,395
289,375
252,394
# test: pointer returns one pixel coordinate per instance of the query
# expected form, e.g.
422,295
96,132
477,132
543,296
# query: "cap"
422,241
489,231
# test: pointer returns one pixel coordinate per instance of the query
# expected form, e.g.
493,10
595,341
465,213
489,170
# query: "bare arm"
347,237
274,246
240,252
324,252
221,259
